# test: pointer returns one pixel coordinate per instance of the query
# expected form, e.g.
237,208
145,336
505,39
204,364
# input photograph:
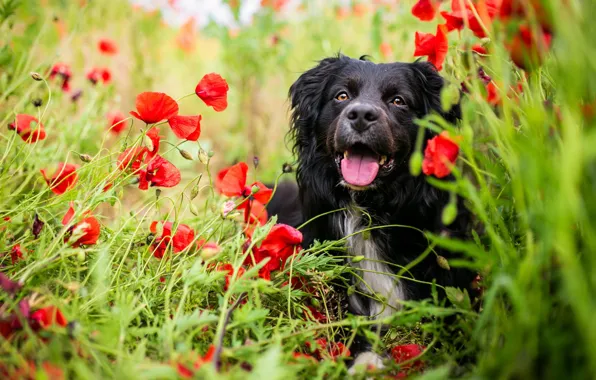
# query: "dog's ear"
431,84
306,96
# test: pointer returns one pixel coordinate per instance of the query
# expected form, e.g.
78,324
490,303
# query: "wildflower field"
141,141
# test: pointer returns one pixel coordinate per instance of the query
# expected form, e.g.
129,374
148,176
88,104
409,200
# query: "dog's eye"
342,96
398,101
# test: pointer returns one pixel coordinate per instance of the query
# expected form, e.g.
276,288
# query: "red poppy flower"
98,74
301,356
425,10
186,127
313,314
440,153
519,9
229,269
16,254
281,243
133,157
182,238
107,46
213,90
188,373
28,128
86,231
116,121
324,349
405,353
456,19
493,96
433,46
231,182
63,71
160,173
153,107
528,49
47,317
478,48
64,178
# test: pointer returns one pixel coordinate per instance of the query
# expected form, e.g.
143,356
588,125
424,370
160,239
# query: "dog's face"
360,116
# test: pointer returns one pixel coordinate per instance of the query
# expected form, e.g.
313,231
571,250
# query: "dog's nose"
362,116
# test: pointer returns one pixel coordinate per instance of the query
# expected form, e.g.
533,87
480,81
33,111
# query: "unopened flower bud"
194,192
209,251
36,76
443,263
185,154
81,256
211,153
157,193
194,210
287,168
449,213
203,157
85,157
357,259
416,163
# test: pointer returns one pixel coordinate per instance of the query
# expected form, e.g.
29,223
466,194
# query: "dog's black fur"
322,128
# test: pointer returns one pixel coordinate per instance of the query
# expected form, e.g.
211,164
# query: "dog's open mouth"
360,165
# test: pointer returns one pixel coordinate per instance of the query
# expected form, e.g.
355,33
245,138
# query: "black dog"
353,125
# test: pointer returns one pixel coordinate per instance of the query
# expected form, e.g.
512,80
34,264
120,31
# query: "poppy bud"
255,189
287,168
416,163
443,263
185,154
148,143
85,157
194,192
255,161
357,259
211,153
157,193
37,226
351,290
209,251
203,157
36,76
194,210
449,213
37,102
81,256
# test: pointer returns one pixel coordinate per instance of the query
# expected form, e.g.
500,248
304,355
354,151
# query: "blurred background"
259,46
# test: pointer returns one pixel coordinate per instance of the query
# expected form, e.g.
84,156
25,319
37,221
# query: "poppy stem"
185,96
219,346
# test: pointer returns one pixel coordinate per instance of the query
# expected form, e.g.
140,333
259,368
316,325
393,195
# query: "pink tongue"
359,170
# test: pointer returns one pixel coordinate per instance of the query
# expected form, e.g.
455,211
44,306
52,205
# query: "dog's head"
359,117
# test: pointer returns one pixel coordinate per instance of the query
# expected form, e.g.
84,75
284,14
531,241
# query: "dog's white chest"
376,278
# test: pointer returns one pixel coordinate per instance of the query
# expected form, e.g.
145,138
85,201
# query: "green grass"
526,169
